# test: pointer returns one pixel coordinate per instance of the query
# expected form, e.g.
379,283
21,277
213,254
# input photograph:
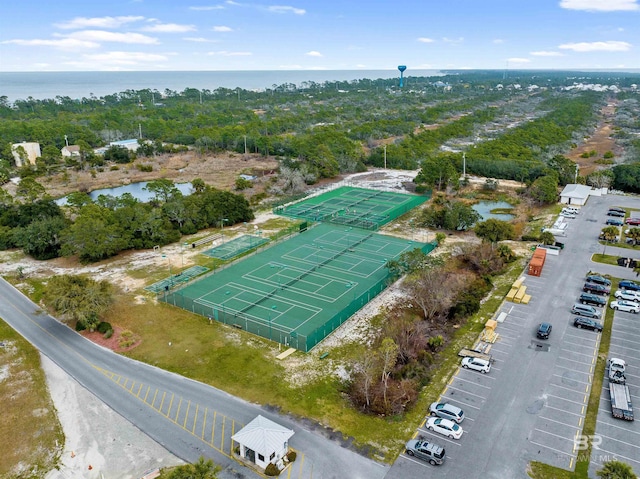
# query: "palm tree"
610,235
634,234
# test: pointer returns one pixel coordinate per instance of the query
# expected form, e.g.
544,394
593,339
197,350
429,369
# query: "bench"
208,239
236,325
286,353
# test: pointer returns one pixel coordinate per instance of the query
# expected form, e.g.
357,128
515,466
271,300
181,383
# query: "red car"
633,221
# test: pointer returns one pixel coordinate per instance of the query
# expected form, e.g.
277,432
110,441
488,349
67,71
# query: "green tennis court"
298,291
235,247
349,206
166,283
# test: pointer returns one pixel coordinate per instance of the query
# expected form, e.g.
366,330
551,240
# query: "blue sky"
73,35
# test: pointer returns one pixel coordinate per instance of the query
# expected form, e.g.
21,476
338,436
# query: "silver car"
447,411
427,451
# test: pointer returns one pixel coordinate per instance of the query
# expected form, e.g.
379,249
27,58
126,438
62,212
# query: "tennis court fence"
276,332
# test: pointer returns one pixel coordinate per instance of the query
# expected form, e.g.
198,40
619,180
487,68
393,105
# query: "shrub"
291,456
81,326
144,168
103,327
272,470
108,334
530,237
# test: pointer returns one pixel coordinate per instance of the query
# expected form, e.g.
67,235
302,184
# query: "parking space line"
439,436
572,360
409,458
579,354
618,427
616,455
567,400
624,339
467,392
555,435
564,411
477,384
560,422
562,377
494,350
552,449
578,345
443,399
623,442
588,373
626,332
579,337
566,389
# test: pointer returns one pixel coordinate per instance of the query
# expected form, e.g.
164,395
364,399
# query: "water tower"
402,68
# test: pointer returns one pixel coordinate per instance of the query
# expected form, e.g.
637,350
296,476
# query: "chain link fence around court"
276,332
350,206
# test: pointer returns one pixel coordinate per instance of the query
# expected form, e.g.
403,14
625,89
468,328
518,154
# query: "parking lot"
616,438
532,404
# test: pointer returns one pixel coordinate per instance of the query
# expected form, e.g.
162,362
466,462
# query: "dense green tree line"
100,229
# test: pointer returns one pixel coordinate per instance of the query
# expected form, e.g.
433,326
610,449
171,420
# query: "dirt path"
600,142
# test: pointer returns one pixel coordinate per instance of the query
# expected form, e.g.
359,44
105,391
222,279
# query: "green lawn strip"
544,471
32,437
621,244
605,259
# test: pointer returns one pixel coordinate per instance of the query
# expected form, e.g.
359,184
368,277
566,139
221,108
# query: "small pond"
135,189
485,209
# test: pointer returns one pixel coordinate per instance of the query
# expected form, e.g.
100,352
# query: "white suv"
626,306
477,364
628,295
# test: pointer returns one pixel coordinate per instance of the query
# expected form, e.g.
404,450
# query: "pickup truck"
621,407
616,371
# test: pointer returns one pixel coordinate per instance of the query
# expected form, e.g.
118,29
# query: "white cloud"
98,22
497,41
62,43
199,40
600,5
518,60
286,9
104,36
425,40
224,53
454,41
609,46
222,28
543,53
169,28
313,53
124,58
207,8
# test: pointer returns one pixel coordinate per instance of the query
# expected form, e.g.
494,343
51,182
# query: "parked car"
619,214
567,214
445,427
585,310
628,295
633,221
476,364
614,222
629,285
544,330
626,306
592,299
447,411
627,262
596,289
594,278
619,210
585,323
427,451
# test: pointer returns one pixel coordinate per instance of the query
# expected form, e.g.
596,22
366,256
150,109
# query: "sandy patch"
100,444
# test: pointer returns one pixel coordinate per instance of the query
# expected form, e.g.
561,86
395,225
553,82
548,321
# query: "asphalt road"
531,405
188,418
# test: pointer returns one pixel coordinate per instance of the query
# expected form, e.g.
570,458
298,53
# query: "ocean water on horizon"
43,85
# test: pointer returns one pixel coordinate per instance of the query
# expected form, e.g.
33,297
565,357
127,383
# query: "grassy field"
31,438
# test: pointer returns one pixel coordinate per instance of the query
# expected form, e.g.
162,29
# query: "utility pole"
245,144
140,131
385,157
464,164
